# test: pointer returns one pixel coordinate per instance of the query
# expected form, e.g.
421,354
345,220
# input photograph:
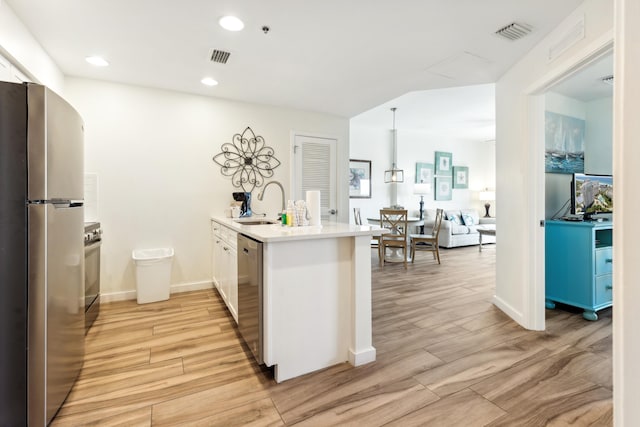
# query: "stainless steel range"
92,242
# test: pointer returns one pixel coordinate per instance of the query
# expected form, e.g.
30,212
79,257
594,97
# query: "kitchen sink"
255,221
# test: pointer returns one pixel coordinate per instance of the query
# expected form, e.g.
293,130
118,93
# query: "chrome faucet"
261,193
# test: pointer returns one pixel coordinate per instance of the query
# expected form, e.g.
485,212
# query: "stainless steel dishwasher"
250,294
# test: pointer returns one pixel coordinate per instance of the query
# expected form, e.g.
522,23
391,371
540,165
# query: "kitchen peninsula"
316,293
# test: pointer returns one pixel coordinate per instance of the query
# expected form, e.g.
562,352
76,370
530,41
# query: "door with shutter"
315,169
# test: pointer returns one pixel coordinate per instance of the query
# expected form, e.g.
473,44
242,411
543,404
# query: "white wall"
375,144
598,117
22,49
626,268
157,184
598,156
478,156
520,165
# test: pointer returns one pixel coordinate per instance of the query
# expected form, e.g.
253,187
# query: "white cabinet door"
225,266
214,239
233,283
219,264
226,284
215,263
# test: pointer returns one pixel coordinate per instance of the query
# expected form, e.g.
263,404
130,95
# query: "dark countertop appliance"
245,198
41,253
250,297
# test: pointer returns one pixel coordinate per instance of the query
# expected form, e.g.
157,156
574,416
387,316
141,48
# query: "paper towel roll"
313,205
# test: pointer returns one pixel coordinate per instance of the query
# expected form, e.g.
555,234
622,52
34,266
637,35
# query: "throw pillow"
454,217
472,213
468,220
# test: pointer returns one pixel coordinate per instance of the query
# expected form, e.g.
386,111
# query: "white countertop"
279,233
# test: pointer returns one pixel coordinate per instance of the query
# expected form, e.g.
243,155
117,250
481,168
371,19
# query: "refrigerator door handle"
66,204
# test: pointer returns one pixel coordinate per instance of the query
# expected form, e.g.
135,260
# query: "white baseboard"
362,357
117,296
191,286
510,311
181,287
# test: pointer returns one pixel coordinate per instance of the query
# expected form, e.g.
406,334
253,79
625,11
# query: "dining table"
395,254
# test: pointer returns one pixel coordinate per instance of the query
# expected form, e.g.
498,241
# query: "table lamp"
421,189
487,196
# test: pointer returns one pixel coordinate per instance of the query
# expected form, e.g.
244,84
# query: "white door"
315,169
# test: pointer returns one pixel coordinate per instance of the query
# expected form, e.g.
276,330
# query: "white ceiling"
334,56
461,113
468,113
586,84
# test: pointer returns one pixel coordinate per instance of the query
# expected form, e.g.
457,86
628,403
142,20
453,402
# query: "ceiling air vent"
219,56
514,31
607,79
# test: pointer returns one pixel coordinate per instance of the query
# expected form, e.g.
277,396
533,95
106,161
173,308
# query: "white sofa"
453,234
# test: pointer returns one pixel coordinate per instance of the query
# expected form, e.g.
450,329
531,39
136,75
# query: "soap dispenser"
290,213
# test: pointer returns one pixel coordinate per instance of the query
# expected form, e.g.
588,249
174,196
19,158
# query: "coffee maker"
245,198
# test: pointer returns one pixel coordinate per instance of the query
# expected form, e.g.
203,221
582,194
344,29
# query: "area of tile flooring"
446,357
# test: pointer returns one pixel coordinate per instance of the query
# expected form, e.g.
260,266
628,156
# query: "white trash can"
153,274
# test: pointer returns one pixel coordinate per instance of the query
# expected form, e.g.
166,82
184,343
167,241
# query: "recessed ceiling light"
209,81
231,23
98,61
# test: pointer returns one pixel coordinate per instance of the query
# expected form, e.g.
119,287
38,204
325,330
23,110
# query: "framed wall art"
443,163
359,179
424,173
564,143
460,177
443,188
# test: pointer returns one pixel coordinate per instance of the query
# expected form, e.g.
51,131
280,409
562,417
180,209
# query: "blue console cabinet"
578,265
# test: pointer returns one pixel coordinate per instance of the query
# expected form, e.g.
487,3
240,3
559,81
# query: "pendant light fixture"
394,174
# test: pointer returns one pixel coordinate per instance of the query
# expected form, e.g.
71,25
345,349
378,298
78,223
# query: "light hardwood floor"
446,357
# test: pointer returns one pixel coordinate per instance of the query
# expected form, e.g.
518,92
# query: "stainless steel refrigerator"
41,253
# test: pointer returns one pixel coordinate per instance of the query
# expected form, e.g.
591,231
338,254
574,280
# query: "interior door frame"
337,160
534,307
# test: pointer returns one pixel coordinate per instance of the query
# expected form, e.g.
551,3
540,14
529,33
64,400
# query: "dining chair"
396,221
428,242
356,216
375,240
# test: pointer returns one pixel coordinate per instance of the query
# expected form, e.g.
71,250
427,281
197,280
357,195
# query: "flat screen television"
591,195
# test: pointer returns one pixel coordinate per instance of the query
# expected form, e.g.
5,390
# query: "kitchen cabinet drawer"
604,260
228,235
216,230
604,289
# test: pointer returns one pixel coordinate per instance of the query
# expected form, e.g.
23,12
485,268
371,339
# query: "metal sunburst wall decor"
247,160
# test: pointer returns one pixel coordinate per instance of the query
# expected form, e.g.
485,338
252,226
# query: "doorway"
579,166
535,296
314,168
583,96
